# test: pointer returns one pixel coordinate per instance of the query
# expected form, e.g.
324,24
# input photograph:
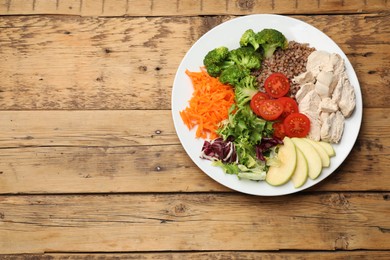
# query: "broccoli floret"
216,60
270,40
245,90
249,38
246,57
233,74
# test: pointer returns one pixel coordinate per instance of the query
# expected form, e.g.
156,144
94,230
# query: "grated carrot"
208,105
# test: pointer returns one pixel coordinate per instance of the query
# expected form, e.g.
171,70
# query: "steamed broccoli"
233,74
216,61
249,38
270,40
245,90
246,57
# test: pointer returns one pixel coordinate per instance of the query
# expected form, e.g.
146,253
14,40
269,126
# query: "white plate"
228,34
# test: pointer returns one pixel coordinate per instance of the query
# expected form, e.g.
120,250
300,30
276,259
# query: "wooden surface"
91,166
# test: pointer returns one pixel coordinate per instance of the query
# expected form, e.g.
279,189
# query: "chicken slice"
332,127
303,90
336,95
347,101
337,127
315,128
310,107
328,105
338,64
338,70
324,79
310,104
326,127
303,78
324,116
316,61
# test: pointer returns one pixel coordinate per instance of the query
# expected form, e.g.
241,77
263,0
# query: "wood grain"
308,255
185,7
91,166
101,151
51,62
329,221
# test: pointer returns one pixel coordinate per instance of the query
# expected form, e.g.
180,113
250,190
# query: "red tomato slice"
296,125
256,100
277,85
290,106
279,131
270,109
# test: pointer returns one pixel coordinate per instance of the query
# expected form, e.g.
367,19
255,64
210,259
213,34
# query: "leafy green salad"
246,146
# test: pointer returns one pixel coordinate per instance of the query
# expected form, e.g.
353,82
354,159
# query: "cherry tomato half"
290,106
270,109
279,130
296,125
277,85
256,100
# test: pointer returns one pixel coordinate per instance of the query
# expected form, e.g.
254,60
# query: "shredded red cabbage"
265,144
218,149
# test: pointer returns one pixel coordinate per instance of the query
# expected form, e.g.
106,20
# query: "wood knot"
246,4
180,208
143,68
341,242
339,201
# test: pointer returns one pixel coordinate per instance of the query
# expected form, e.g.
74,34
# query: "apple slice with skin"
301,170
314,162
321,152
328,148
279,175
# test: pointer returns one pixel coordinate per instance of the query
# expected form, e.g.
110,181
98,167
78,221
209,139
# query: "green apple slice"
321,151
279,175
328,148
301,170
314,162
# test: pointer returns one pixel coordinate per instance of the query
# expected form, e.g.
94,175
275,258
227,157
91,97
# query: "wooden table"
91,165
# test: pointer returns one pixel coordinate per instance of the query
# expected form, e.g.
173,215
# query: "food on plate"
289,106
209,104
257,99
298,160
312,157
296,125
268,39
277,85
269,109
291,62
279,105
301,171
321,152
326,95
280,174
328,148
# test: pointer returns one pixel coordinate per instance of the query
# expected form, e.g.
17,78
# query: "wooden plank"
115,129
102,63
163,168
100,128
186,7
97,151
308,255
177,222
